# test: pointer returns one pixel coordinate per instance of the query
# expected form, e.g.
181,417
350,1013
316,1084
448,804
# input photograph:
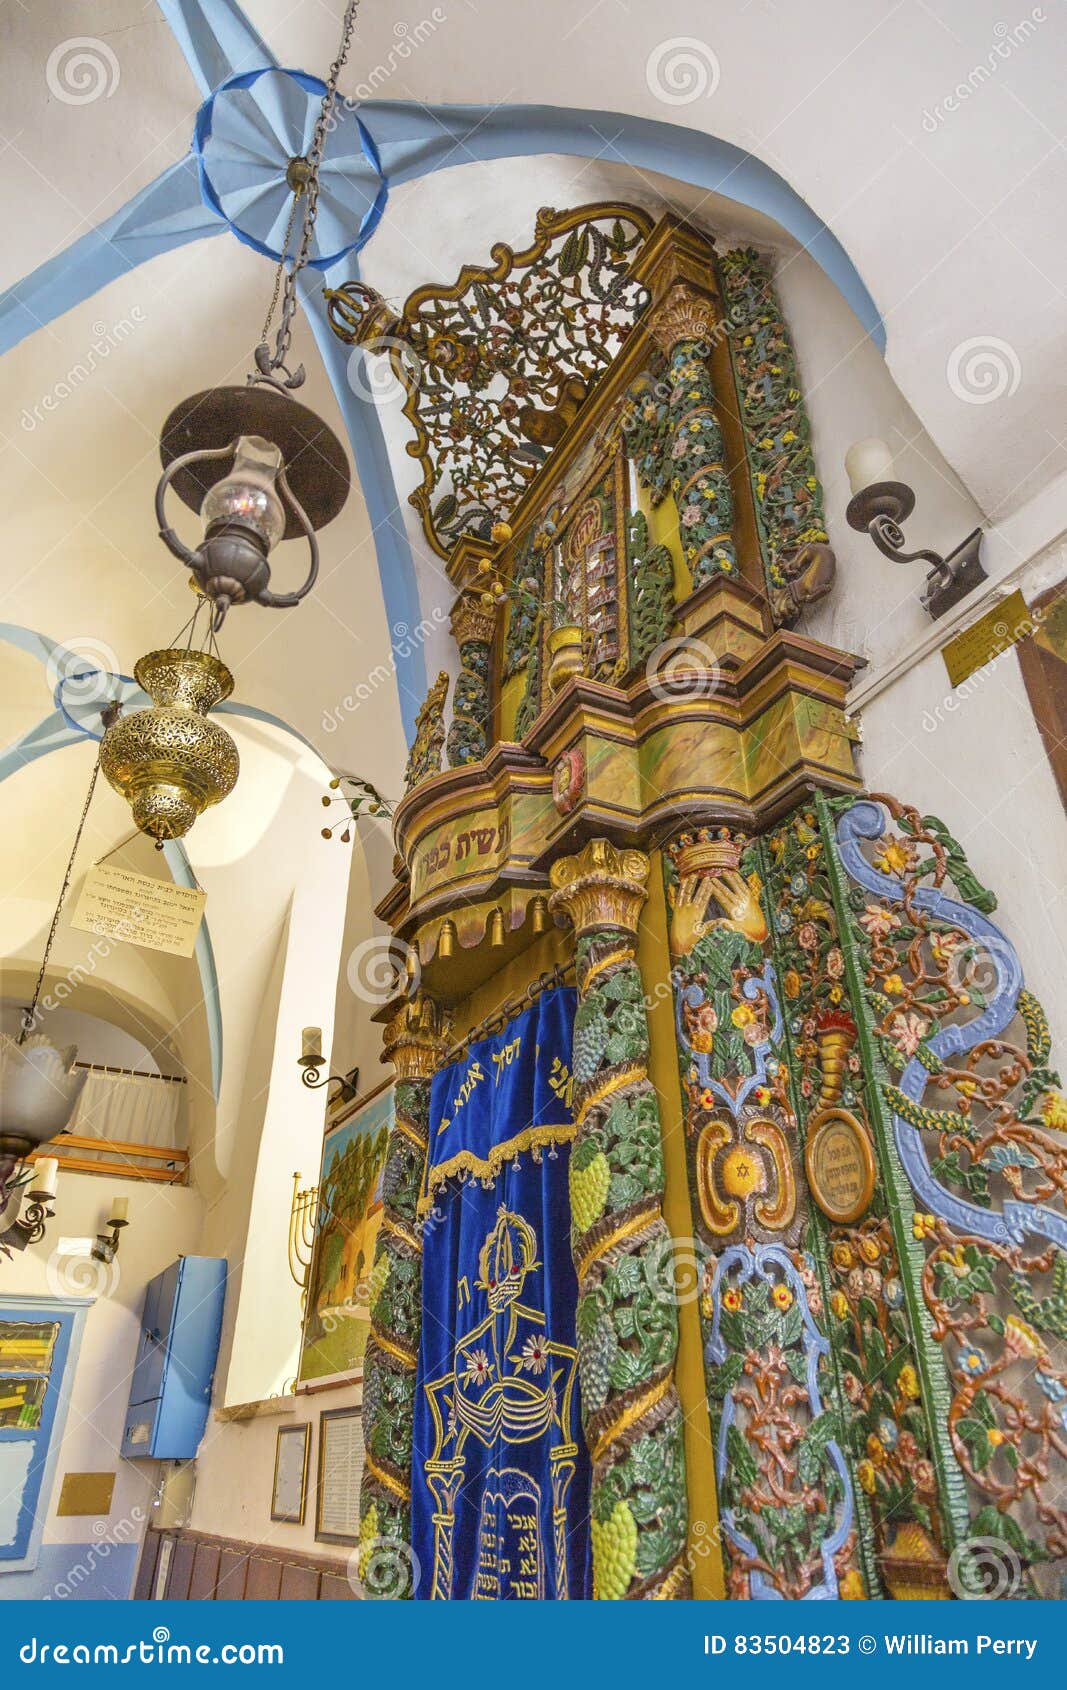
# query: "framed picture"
291,1474
337,1317
339,1476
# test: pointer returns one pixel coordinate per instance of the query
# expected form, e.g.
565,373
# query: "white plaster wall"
165,1222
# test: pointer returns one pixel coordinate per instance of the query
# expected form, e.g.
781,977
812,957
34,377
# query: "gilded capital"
600,887
414,1040
686,313
474,617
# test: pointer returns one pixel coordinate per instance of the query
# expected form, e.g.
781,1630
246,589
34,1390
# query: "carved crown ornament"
496,366
415,1039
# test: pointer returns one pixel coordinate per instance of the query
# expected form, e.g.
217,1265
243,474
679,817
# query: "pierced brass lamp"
172,762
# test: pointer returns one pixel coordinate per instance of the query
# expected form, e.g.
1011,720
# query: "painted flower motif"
761,1095
806,1087
1054,1387
807,935
707,1017
792,983
866,1475
908,1380
894,985
841,1255
923,1226
851,1588
835,963
1020,1336
756,1034
892,1293
707,1098
1054,1111
876,1450
908,1448
679,449
782,1297
479,1368
732,1300
702,1043
877,921
691,516
870,1249
535,1354
924,1476
839,1304
888,1432
852,1387
743,1015
971,1362
907,1031
893,856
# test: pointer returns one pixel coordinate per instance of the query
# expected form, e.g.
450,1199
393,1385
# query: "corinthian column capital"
600,887
685,313
414,1041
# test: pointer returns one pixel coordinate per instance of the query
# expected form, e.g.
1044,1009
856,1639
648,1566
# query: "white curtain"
130,1110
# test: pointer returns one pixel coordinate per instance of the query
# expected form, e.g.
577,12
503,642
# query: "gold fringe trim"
400,1491
406,1357
397,1229
628,1077
489,1166
628,1229
631,1415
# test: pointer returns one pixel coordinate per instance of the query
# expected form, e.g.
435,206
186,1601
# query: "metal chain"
323,124
109,715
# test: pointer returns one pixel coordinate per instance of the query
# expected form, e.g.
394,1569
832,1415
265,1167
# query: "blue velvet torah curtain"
500,1475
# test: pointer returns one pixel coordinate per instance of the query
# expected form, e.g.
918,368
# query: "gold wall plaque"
86,1493
1000,628
839,1162
138,910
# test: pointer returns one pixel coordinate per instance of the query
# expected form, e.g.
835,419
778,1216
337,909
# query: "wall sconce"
880,504
303,1213
31,1217
106,1248
312,1062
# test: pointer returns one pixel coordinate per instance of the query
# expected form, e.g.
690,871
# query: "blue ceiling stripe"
216,39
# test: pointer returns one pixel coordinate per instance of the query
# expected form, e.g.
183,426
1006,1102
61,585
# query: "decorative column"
473,627
623,1254
424,758
414,1045
684,327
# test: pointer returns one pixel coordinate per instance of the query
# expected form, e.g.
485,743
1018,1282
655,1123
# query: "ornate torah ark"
814,1196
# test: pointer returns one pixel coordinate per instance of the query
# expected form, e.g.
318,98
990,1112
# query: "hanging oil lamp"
173,762
258,467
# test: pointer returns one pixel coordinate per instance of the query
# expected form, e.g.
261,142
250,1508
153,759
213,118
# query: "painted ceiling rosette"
247,132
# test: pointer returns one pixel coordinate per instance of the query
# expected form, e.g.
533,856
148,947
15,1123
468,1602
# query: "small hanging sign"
135,909
1000,628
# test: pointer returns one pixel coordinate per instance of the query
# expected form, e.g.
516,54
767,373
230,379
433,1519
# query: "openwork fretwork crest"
496,366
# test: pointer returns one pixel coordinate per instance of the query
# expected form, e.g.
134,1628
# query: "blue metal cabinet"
170,1391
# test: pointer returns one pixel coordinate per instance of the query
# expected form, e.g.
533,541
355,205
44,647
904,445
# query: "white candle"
866,462
311,1042
120,1208
45,1174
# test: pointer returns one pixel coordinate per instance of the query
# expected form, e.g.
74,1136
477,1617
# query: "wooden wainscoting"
221,1569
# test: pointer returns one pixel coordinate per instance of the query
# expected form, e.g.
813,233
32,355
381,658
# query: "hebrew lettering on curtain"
500,1474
